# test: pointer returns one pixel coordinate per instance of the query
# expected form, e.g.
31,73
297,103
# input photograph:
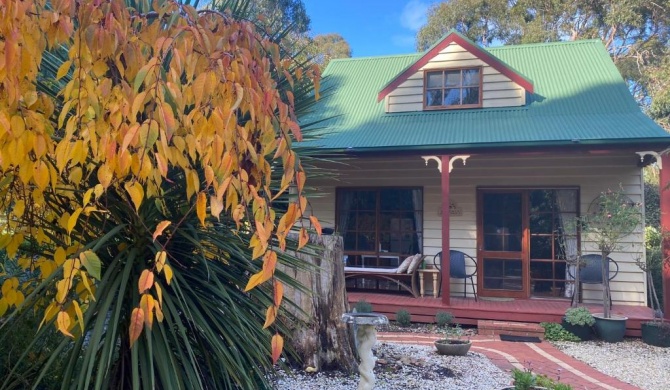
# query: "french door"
523,239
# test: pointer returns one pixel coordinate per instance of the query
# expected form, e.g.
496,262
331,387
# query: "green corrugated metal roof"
579,97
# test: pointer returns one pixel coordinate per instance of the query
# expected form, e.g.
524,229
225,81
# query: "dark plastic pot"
584,332
612,329
453,347
656,333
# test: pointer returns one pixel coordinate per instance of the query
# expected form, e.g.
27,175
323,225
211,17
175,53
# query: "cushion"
404,266
372,270
415,263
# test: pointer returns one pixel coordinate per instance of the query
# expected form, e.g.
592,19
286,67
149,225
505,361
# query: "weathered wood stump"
324,342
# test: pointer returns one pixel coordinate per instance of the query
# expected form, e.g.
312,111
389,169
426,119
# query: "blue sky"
372,27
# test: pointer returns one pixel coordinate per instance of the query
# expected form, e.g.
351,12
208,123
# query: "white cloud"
413,15
403,41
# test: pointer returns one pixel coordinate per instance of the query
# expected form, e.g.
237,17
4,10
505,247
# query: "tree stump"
324,342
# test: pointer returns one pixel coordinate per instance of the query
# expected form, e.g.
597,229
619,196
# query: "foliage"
635,32
579,316
363,306
526,380
556,332
611,217
403,318
652,197
326,47
443,318
143,151
453,332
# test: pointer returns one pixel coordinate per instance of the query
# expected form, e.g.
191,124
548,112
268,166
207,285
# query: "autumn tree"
142,150
635,32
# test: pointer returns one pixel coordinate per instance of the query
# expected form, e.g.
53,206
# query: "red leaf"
277,347
136,325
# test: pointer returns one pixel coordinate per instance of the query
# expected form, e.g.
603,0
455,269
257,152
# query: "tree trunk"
606,284
324,342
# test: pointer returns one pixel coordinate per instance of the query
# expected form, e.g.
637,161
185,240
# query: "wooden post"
446,287
664,189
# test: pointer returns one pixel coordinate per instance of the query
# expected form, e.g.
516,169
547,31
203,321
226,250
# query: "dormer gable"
455,73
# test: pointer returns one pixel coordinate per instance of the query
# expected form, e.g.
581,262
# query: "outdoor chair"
590,272
457,269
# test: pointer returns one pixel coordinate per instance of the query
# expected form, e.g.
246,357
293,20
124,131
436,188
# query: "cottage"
492,152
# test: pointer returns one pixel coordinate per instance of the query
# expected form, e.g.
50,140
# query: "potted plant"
579,321
611,217
452,344
656,332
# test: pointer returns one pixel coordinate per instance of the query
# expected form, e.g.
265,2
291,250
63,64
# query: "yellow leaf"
146,281
201,207
136,193
160,228
136,324
147,304
63,323
159,259
215,206
72,221
59,256
49,313
87,285
277,347
159,313
19,208
159,292
255,280
105,175
168,273
270,316
80,315
92,263
63,69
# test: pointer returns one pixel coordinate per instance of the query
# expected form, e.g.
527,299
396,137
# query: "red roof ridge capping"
455,37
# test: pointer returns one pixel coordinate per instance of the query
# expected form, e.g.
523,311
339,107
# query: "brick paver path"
542,358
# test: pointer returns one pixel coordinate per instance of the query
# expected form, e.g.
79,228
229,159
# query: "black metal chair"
457,269
590,272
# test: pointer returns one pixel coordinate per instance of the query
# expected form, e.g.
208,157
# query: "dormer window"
453,88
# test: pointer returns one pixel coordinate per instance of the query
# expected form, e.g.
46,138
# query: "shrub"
555,332
363,306
443,318
403,318
526,380
579,316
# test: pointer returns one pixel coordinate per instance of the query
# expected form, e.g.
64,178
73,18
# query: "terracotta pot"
453,347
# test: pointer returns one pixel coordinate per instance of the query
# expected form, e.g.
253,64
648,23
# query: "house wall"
498,89
591,173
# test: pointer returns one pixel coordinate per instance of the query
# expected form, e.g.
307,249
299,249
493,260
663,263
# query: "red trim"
474,49
664,182
446,286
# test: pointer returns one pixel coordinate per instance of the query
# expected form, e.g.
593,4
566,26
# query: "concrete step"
491,328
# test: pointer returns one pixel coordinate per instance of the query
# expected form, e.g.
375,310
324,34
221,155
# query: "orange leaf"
303,239
269,264
254,281
277,346
147,305
160,228
316,224
300,178
270,316
278,292
146,281
201,207
136,324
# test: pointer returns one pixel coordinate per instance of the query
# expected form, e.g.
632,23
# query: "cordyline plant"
611,217
137,189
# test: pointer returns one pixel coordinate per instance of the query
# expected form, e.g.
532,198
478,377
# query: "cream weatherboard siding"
592,173
498,89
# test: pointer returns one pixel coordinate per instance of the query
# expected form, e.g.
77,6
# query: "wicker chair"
457,269
590,271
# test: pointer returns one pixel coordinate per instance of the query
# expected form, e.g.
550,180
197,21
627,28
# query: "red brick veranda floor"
542,357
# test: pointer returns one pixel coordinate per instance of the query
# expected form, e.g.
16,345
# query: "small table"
435,273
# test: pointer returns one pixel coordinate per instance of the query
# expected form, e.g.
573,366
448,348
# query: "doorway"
523,238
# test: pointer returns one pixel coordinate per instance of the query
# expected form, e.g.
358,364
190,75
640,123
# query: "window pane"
452,97
396,199
434,80
471,77
452,78
434,97
470,95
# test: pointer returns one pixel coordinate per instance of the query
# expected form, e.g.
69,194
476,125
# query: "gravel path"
403,367
631,361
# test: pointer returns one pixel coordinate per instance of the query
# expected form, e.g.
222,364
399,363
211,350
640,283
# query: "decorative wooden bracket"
655,155
438,160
